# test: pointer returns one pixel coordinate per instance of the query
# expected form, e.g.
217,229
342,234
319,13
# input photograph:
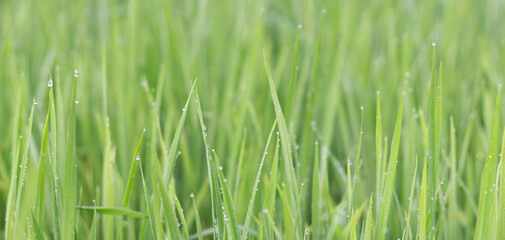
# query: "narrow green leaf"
150,212
367,234
423,199
113,211
22,173
501,189
378,155
316,196
488,177
41,177
197,219
92,234
391,172
255,186
133,166
271,192
231,217
172,154
70,185
289,170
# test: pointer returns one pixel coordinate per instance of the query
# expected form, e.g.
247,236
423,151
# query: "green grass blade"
255,186
488,176
289,170
433,134
133,167
408,229
167,204
172,154
217,219
197,218
113,211
423,200
150,212
316,196
92,234
22,174
367,234
41,177
9,215
453,188
53,182
37,229
391,172
501,189
70,185
378,155
293,73
271,192
231,217
181,214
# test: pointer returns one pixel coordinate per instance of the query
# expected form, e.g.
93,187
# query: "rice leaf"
391,172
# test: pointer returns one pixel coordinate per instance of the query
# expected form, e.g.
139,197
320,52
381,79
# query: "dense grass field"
222,119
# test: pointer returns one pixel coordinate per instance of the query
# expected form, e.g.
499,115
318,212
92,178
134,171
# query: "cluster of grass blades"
242,120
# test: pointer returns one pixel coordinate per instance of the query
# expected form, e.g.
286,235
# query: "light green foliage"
105,133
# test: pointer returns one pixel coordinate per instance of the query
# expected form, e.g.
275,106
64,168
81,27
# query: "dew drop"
76,101
192,195
50,83
299,26
76,73
433,44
